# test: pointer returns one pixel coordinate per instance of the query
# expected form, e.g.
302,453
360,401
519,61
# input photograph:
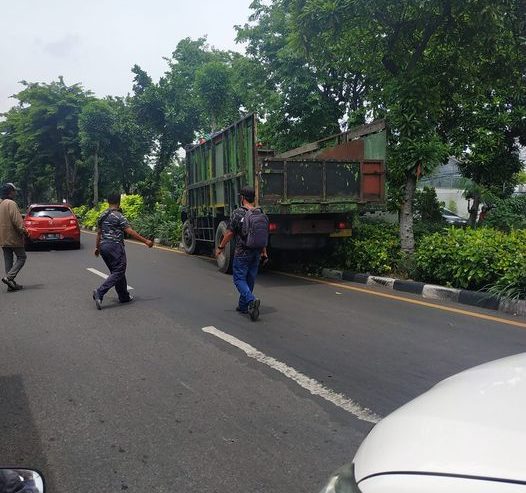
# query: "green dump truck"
309,193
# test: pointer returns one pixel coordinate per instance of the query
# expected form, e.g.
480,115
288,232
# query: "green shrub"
427,206
81,212
507,214
427,213
424,228
374,248
91,216
132,206
474,259
452,206
163,223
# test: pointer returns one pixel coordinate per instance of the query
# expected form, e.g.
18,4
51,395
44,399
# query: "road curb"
441,293
477,299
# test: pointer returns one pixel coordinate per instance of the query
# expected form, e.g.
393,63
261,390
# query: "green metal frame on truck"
309,193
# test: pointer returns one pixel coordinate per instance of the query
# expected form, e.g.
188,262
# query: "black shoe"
9,283
253,309
98,301
18,287
128,300
244,312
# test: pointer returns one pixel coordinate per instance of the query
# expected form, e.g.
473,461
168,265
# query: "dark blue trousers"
245,272
114,256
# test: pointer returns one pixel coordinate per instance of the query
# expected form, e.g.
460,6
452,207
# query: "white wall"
450,194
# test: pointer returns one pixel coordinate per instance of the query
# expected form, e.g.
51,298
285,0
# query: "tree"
96,124
195,95
41,137
489,122
215,92
298,101
420,61
130,145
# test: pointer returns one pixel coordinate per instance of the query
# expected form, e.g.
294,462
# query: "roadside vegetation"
490,257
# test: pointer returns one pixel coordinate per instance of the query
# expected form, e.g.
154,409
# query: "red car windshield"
52,212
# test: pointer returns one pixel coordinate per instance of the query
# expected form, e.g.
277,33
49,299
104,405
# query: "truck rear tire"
188,239
224,260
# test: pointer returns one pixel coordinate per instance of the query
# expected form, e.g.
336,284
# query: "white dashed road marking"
314,387
101,274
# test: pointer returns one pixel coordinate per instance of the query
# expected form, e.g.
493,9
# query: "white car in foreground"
465,435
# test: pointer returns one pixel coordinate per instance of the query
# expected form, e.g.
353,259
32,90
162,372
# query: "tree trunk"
58,184
66,162
474,211
96,177
407,238
213,122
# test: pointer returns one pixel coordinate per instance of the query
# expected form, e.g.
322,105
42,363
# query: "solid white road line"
101,274
314,387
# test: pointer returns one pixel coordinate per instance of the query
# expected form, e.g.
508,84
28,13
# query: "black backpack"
255,229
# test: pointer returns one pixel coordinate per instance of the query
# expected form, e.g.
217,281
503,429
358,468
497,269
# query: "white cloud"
64,47
96,42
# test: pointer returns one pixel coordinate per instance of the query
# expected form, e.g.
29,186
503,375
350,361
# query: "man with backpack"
249,225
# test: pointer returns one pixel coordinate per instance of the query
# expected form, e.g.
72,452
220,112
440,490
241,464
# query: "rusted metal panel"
313,149
348,151
373,181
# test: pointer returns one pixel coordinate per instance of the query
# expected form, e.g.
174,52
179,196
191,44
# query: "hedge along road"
139,396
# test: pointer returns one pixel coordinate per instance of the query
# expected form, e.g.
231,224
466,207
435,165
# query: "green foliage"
427,206
50,143
215,90
132,206
158,224
374,248
163,222
507,214
452,206
92,215
424,228
298,101
81,212
473,259
436,76
39,141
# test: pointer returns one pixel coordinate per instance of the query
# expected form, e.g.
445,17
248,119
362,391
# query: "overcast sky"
96,42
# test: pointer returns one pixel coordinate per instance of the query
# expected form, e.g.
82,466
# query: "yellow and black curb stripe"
477,299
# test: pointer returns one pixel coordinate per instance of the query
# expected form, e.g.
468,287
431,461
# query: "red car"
52,224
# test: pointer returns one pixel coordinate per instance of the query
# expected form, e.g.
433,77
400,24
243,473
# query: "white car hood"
473,424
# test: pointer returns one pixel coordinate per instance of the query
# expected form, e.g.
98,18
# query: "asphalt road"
139,398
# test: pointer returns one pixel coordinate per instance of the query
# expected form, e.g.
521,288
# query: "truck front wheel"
188,238
224,260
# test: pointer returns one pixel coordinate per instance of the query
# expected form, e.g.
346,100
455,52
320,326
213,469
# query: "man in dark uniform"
246,259
110,245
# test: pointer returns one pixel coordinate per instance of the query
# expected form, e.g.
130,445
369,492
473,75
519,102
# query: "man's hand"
218,252
149,243
264,259
96,252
